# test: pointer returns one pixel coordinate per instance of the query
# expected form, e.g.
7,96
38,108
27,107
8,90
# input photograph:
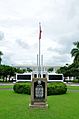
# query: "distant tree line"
72,70
6,72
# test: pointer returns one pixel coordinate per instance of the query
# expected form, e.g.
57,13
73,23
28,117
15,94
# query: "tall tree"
75,52
50,69
0,57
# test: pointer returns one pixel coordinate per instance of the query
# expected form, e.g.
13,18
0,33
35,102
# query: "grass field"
73,87
16,106
6,86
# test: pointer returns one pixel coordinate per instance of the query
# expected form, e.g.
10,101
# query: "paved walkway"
6,84
72,84
6,88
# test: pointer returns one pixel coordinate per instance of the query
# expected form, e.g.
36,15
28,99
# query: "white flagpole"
39,48
37,67
41,66
39,52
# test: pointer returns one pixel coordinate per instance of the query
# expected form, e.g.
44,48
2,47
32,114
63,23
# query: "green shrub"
56,88
22,88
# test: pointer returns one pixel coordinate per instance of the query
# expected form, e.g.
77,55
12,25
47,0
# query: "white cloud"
1,35
19,23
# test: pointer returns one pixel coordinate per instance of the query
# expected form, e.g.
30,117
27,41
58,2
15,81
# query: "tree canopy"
0,56
72,69
50,69
9,71
75,52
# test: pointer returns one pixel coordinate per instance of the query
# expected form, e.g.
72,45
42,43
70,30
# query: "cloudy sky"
19,30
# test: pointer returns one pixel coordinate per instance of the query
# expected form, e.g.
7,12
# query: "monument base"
38,105
39,93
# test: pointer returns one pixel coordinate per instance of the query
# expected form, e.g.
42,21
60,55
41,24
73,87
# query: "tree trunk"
3,78
6,78
9,78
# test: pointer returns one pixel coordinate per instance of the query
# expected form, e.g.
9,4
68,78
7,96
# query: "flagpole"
39,48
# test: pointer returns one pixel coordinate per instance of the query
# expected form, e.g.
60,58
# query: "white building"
34,67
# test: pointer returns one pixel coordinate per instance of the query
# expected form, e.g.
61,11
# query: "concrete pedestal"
39,93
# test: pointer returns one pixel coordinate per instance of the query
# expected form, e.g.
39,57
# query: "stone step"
39,105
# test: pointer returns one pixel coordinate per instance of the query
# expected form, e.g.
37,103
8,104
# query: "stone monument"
39,93
39,84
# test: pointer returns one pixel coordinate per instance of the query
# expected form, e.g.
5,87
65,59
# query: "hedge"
55,88
22,88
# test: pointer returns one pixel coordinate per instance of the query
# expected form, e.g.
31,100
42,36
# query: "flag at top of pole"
40,31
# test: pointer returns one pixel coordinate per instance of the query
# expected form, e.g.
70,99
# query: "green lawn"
16,106
6,86
73,87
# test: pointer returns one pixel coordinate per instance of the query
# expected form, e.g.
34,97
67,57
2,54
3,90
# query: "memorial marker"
39,84
39,93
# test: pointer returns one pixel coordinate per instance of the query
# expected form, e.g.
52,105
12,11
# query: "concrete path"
6,84
6,88
72,84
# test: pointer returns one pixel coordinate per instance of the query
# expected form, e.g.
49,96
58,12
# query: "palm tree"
0,57
75,52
